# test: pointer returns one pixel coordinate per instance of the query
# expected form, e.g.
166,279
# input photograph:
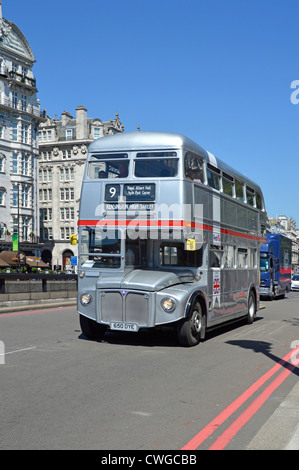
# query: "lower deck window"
172,254
242,257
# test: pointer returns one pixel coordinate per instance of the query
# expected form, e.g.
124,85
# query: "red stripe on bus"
166,223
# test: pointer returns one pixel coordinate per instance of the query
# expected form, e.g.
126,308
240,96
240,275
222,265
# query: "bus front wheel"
91,329
192,329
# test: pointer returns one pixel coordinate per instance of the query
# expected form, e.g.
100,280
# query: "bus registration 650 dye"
121,326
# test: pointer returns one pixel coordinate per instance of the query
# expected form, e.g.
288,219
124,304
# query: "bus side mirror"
73,239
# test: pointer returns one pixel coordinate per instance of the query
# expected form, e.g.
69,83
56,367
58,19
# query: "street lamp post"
19,183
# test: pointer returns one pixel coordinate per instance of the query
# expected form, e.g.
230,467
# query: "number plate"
124,326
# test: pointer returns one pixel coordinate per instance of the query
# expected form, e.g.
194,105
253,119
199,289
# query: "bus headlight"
168,304
85,299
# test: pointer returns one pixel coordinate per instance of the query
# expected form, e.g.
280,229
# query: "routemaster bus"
168,235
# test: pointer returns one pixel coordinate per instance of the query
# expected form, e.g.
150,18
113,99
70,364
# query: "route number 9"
112,192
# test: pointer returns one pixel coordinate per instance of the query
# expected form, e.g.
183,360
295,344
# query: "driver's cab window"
194,168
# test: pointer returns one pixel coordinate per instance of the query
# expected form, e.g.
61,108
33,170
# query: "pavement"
281,430
47,303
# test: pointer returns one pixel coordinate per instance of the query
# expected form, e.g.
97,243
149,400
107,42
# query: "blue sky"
218,71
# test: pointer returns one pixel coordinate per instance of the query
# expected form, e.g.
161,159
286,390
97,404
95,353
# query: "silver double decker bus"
168,235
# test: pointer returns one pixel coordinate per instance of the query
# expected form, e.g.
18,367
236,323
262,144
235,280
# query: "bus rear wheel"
192,329
251,315
91,329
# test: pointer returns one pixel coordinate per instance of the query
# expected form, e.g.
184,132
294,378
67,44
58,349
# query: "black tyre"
192,329
91,329
251,315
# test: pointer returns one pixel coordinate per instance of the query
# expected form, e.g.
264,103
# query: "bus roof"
145,140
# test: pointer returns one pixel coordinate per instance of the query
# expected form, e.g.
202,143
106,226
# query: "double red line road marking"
222,441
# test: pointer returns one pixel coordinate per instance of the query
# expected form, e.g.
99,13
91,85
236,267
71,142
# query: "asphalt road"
142,391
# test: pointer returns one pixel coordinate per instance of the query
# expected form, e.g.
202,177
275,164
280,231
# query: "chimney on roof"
65,118
81,123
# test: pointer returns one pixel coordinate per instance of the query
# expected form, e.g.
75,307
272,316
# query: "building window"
25,198
25,164
14,99
43,215
15,131
25,228
96,132
69,134
67,194
15,195
66,154
24,102
24,134
1,164
66,174
15,163
45,175
15,225
2,196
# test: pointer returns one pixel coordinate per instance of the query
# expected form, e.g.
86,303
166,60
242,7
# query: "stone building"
19,120
63,145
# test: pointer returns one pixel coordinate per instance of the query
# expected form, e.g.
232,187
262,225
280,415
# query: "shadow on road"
264,347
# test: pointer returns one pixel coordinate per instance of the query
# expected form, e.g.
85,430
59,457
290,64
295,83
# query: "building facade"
63,146
19,120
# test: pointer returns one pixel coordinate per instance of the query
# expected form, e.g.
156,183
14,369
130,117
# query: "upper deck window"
239,190
156,164
213,175
250,196
227,184
194,168
258,199
109,166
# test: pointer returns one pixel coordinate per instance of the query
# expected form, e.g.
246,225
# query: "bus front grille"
124,305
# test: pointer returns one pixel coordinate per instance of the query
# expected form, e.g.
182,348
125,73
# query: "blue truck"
275,266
